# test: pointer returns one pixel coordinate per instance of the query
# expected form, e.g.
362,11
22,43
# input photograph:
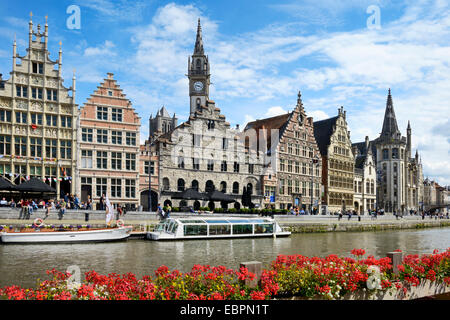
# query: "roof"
278,122
323,130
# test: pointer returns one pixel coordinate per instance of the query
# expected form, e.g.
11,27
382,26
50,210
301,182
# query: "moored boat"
62,235
216,228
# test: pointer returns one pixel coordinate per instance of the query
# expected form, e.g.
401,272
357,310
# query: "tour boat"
216,228
44,235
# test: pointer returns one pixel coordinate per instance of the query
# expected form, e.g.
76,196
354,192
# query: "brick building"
109,133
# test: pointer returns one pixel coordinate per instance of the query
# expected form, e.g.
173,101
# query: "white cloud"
275,111
106,49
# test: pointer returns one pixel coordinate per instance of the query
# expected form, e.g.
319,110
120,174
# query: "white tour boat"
216,228
55,236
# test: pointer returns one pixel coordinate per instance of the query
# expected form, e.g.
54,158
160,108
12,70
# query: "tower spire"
390,127
199,41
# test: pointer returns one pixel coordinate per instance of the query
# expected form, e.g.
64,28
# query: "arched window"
166,184
180,185
250,188
198,102
372,187
194,185
198,65
236,187
223,187
209,186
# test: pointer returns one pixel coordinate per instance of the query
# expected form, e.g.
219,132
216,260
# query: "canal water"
24,264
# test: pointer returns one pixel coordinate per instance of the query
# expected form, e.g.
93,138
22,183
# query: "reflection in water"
23,264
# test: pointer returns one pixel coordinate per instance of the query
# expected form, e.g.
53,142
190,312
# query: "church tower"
198,74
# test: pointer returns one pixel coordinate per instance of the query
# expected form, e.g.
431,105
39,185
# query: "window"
152,167
102,159
130,188
38,67
236,167
196,140
22,91
116,160
195,164
194,185
51,120
195,230
215,229
110,93
101,186
66,122
146,166
385,154
250,168
116,114
116,137
281,186
102,113
86,134
224,143
211,124
242,229
116,188
166,184
21,117
5,116
130,161
65,151
5,145
35,171
131,138
181,162
36,118
102,136
36,147
52,95
20,146
86,158
235,187
36,93
282,165
223,166
180,185
210,165
395,153
51,148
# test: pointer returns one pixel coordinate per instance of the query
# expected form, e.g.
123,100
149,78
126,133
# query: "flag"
109,210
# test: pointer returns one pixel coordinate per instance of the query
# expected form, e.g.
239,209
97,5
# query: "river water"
24,264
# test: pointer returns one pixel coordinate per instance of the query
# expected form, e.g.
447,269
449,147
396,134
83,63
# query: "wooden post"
396,258
253,267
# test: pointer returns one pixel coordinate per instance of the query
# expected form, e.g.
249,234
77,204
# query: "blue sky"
261,54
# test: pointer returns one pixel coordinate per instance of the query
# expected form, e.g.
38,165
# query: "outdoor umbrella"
192,194
220,196
6,185
35,185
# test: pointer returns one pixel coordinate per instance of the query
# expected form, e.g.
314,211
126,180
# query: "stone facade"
38,118
400,176
204,153
292,145
109,146
338,162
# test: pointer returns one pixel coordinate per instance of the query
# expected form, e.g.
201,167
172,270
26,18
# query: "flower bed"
331,277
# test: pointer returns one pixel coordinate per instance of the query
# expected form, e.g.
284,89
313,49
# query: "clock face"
198,86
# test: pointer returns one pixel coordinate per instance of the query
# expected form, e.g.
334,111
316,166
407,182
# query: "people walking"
47,211
160,212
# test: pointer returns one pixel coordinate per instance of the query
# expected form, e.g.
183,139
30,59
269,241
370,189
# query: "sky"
337,53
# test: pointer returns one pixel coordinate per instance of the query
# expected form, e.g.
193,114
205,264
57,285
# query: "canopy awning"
35,185
6,185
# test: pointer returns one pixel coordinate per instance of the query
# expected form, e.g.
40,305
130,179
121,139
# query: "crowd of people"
27,207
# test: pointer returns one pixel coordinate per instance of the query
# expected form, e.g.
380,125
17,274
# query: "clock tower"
198,74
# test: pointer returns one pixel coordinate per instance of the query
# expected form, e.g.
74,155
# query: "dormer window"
38,68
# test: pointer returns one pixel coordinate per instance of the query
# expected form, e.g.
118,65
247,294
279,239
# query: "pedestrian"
169,210
349,213
340,215
160,212
89,203
359,217
76,202
62,209
47,211
119,212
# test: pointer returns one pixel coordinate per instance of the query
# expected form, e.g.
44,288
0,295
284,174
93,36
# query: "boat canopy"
223,221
